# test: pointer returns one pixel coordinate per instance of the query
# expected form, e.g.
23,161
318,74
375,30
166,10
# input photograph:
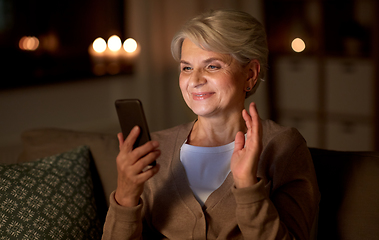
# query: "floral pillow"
51,198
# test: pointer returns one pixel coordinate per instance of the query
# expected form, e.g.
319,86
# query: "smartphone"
130,114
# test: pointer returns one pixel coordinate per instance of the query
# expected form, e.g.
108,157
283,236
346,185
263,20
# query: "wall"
82,105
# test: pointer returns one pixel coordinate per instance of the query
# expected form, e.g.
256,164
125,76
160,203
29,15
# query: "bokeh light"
114,43
28,43
130,45
99,45
298,45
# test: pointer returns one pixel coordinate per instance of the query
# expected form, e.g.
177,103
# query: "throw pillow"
51,198
43,142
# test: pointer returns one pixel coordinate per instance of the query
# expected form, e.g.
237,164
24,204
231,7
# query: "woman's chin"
203,111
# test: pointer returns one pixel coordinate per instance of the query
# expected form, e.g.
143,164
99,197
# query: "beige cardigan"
282,205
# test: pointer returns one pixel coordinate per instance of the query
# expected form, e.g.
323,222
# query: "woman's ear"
253,69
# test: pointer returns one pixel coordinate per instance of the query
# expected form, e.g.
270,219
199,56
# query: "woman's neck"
210,132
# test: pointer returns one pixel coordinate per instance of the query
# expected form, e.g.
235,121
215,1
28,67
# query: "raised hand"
133,168
244,162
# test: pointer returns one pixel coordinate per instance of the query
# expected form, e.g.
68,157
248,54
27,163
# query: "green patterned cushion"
51,198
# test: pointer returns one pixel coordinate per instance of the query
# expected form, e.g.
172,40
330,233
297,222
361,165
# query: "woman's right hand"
131,168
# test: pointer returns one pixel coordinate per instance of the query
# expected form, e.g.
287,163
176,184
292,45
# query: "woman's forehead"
192,50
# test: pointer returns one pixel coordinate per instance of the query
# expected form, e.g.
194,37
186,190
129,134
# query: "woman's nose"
197,79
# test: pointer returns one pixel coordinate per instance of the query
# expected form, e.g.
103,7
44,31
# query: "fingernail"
155,144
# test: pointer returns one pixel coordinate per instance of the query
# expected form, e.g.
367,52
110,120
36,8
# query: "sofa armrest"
349,207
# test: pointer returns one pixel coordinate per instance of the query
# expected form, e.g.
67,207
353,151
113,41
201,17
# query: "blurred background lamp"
28,43
99,45
114,43
130,45
298,45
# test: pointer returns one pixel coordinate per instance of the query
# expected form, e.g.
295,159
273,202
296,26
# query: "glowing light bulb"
114,43
298,45
99,45
130,45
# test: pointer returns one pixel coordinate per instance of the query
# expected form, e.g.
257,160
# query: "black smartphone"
130,113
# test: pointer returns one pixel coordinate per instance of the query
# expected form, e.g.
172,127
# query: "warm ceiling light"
114,43
99,45
298,45
130,45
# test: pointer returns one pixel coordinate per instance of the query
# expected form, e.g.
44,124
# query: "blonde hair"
228,32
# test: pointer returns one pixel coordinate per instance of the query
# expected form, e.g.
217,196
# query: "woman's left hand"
245,158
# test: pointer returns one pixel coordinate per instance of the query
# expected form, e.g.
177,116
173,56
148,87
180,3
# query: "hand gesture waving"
245,158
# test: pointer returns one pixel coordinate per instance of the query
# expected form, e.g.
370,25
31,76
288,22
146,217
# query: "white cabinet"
332,108
329,91
349,86
349,136
296,81
349,104
297,94
306,126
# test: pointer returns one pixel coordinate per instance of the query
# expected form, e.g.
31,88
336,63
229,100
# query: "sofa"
59,171
59,188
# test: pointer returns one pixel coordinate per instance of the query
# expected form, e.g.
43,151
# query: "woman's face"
212,84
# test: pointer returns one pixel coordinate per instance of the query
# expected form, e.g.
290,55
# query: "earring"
248,89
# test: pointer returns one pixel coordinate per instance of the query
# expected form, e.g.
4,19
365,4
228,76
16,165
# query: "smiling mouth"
202,95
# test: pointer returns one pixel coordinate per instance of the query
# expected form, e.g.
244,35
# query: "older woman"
228,174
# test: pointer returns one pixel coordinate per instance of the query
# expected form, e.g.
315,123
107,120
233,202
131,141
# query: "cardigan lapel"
181,179
179,173
221,192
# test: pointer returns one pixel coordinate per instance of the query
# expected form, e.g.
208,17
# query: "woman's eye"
213,67
186,68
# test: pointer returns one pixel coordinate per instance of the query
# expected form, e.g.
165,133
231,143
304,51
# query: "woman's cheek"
181,82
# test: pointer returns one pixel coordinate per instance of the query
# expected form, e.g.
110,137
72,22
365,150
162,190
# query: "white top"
206,168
